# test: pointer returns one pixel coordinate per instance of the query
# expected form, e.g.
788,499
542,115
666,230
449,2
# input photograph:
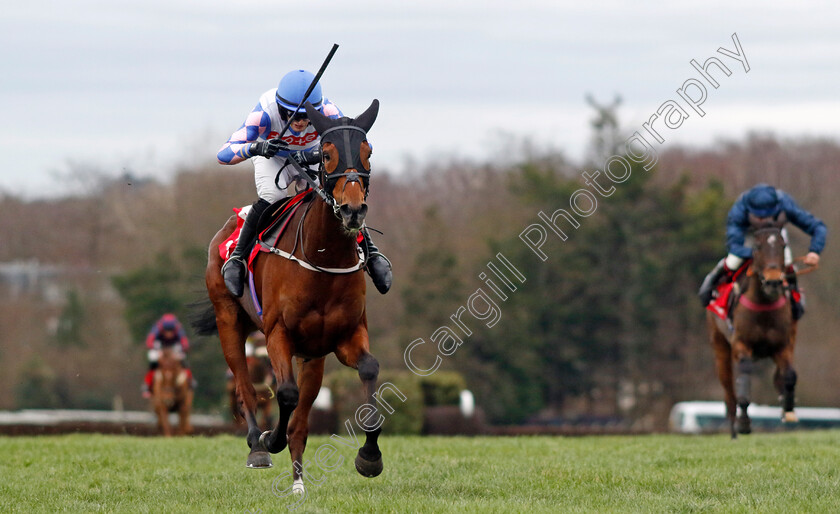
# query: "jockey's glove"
267,148
306,157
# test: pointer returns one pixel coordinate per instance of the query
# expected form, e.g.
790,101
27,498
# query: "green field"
788,472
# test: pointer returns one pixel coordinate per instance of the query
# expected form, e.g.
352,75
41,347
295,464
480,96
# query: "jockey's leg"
709,283
146,388
725,268
186,365
235,268
378,266
796,304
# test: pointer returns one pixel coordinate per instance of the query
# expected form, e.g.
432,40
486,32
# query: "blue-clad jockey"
764,201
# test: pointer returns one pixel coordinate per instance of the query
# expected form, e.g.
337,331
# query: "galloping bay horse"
171,392
762,326
313,299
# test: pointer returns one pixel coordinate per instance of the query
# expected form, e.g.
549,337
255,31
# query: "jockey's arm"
737,224
809,224
185,343
236,149
151,339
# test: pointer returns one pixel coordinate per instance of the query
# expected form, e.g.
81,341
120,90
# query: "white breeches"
265,172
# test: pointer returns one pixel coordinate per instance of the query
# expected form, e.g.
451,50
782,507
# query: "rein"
304,263
326,196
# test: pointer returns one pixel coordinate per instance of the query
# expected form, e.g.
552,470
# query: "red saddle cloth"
722,304
227,246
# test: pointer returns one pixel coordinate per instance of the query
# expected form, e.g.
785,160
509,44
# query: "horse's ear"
366,119
318,120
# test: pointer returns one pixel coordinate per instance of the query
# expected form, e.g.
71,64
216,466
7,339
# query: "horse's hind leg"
310,376
723,364
743,357
356,355
232,334
785,381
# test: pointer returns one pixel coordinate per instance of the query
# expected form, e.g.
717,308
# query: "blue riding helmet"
293,86
168,322
762,201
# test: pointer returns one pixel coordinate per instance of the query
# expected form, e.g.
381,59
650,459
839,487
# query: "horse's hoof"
298,488
368,468
744,428
790,417
258,460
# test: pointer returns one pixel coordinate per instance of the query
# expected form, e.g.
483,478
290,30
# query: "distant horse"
313,303
171,392
762,326
263,380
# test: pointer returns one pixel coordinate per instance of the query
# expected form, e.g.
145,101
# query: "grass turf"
786,472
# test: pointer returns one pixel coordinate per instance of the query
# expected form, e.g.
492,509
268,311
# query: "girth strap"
312,267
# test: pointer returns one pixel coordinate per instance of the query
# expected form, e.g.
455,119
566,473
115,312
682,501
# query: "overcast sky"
149,86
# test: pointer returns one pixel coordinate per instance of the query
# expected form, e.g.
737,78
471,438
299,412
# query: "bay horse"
171,392
313,300
762,326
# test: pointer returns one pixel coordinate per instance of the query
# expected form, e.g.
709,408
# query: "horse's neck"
325,241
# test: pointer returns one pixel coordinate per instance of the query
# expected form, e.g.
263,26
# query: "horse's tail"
203,317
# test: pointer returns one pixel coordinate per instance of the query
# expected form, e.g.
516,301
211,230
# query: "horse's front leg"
310,376
185,410
159,406
785,381
355,354
163,418
744,362
280,351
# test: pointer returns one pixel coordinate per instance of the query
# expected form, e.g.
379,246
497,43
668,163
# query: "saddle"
270,226
274,220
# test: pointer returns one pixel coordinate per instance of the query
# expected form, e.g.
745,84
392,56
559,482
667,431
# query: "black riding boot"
796,305
378,266
709,283
235,268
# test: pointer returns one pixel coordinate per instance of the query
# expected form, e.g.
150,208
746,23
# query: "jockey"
256,140
166,332
764,202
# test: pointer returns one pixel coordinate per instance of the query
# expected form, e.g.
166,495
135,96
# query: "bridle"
760,272
328,180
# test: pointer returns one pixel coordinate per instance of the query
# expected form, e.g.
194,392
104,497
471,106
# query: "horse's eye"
326,156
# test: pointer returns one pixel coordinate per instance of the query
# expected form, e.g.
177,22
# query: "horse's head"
769,257
345,164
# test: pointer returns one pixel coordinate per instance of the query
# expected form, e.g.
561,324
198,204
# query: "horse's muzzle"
353,217
772,282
